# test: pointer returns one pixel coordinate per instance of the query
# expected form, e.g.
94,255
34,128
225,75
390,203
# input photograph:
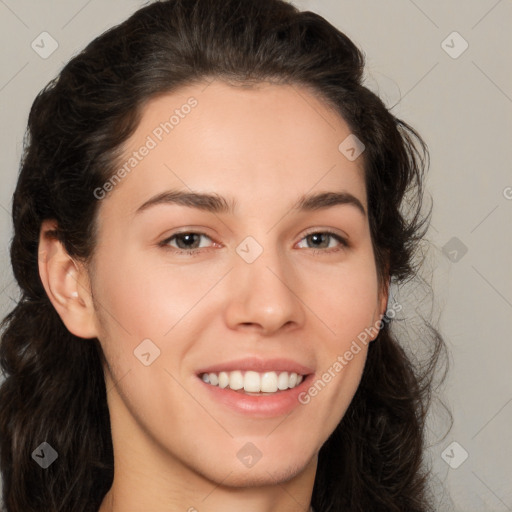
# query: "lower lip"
264,406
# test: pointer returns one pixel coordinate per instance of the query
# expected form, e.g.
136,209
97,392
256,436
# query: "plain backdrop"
444,67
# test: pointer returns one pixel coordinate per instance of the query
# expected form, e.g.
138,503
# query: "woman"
207,220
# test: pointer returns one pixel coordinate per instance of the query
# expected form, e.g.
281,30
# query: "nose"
264,295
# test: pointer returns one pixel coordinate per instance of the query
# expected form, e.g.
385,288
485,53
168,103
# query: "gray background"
461,103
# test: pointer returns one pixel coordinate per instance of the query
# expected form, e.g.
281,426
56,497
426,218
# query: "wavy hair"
54,388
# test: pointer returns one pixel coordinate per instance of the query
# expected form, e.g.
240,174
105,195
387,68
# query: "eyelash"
195,252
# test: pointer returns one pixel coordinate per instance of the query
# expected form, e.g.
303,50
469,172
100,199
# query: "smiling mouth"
251,382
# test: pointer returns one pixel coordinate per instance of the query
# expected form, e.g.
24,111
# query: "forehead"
267,139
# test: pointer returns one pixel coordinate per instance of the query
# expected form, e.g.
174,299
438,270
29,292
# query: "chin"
261,474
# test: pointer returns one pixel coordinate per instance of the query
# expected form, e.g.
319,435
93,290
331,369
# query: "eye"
189,242
326,241
186,241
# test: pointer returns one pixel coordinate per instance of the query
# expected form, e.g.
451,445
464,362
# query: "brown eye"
185,241
324,240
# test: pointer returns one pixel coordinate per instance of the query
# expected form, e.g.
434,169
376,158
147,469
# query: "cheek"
344,301
162,303
145,300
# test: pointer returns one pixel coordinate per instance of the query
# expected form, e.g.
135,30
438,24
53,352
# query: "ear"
385,283
384,297
66,283
381,306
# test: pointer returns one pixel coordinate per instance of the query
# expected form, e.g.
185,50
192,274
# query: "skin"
264,146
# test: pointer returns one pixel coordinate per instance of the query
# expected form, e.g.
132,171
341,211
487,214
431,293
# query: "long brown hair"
54,387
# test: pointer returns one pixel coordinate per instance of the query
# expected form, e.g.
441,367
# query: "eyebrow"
215,203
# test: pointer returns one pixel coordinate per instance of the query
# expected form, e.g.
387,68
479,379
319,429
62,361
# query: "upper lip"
258,365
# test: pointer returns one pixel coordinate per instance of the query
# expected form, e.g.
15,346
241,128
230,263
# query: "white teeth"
254,382
223,380
282,381
236,380
269,382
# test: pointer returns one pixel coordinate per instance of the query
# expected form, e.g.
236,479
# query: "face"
228,287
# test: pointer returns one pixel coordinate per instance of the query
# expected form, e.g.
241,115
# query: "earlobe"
66,283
